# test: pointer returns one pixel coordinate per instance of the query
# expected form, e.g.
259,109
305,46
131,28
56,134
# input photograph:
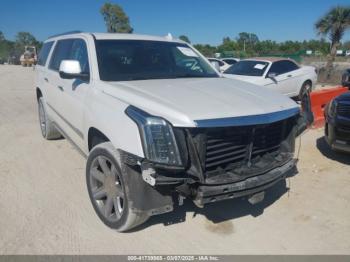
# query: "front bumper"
252,185
337,134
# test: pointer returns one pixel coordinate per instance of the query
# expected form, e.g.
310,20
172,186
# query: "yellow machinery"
29,57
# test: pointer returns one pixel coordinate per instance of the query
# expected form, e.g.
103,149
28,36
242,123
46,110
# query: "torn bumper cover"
220,163
207,193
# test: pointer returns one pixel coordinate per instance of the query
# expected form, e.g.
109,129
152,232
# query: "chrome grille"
229,146
343,109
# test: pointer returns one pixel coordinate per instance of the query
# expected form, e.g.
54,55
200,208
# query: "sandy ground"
45,209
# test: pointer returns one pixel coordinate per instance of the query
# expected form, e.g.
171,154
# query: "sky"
203,21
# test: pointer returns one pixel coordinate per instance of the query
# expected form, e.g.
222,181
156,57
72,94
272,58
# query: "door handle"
289,75
46,80
60,88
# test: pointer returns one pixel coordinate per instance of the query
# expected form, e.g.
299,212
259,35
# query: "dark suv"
337,130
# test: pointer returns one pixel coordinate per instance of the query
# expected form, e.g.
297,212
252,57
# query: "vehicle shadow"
325,150
220,211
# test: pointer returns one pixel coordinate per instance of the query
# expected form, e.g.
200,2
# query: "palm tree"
334,24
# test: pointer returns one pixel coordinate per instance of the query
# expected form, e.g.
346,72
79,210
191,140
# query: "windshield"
248,68
229,61
123,60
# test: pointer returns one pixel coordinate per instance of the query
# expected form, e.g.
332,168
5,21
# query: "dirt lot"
45,209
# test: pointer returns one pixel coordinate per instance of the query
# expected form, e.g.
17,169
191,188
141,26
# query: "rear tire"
48,130
108,192
306,88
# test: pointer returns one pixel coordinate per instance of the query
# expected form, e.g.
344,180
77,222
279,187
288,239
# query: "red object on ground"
319,99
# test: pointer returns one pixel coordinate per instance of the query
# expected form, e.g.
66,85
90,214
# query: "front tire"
48,130
108,191
306,88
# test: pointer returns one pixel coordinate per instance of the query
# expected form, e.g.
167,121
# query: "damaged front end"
224,161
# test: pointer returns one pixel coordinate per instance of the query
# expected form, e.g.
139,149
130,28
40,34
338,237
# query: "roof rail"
67,33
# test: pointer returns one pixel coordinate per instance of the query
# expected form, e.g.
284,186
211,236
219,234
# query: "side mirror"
216,65
271,75
70,69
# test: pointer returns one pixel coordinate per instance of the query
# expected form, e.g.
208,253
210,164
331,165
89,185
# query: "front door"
286,80
70,94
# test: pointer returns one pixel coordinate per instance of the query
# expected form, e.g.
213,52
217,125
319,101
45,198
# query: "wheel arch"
38,93
308,81
95,137
304,82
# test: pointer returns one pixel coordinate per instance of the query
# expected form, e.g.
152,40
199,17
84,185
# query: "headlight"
332,108
159,144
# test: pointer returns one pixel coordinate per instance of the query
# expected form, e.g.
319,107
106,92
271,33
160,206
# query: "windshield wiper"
194,76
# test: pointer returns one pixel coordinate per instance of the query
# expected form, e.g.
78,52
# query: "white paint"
289,83
187,51
102,105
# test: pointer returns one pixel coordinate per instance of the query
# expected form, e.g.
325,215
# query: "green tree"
2,37
185,38
115,18
346,45
206,50
317,45
333,24
266,47
25,38
247,40
226,40
290,47
4,47
228,45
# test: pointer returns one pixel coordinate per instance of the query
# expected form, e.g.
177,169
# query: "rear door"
41,69
287,77
55,86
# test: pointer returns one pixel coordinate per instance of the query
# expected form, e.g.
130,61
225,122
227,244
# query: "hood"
250,79
183,101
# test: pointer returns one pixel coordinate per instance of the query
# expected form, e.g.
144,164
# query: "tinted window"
248,68
216,60
44,53
61,52
72,49
79,52
123,60
282,67
230,61
290,66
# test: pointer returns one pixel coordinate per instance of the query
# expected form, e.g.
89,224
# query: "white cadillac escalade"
156,120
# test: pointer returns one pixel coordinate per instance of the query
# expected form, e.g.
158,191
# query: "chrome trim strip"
76,130
248,120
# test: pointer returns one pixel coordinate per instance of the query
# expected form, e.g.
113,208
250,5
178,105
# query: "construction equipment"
29,57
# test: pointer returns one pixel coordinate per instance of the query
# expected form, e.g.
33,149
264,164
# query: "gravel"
45,208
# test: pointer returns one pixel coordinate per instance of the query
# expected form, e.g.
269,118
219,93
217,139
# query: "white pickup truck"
155,120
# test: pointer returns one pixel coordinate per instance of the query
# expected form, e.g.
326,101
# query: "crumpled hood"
183,101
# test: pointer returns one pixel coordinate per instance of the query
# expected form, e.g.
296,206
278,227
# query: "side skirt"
70,140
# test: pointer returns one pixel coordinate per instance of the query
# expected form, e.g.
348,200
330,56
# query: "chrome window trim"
248,120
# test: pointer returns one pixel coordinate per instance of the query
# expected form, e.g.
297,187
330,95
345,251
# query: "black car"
337,129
